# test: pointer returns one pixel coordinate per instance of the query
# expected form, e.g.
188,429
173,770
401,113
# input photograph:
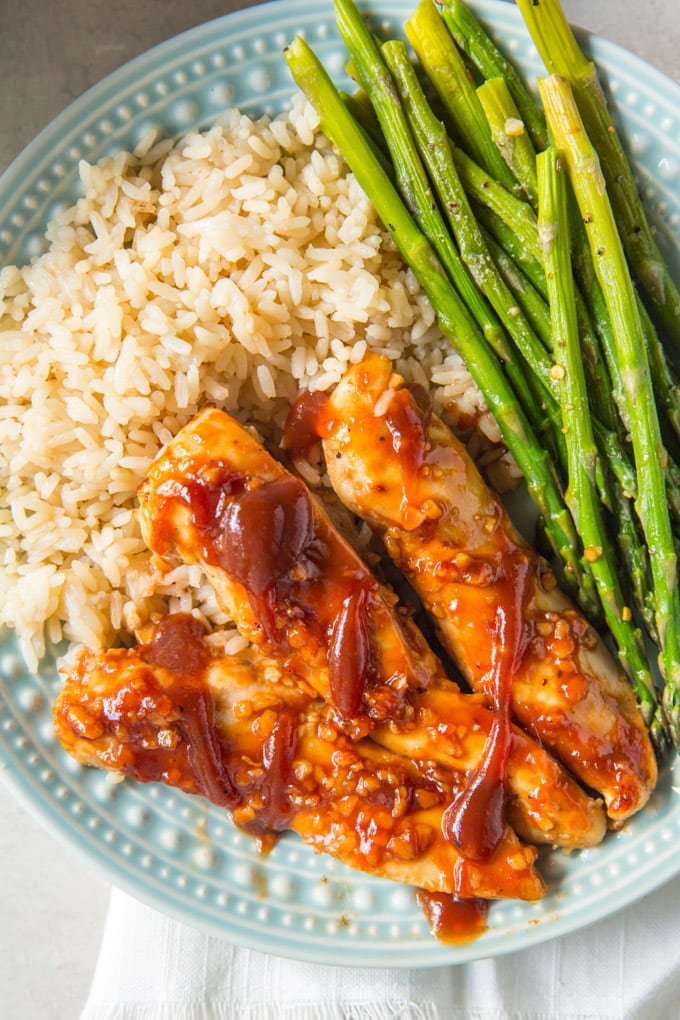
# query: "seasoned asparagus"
581,493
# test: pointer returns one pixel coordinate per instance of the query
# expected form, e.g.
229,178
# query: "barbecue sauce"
407,417
164,729
189,754
269,538
475,821
308,421
278,753
451,919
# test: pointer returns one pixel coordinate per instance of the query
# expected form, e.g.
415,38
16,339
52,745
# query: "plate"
177,853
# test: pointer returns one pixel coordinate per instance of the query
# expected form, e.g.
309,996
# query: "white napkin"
624,968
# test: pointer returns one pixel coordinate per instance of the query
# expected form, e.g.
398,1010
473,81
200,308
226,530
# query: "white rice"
237,267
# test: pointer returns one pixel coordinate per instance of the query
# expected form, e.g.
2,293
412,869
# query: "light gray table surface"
52,908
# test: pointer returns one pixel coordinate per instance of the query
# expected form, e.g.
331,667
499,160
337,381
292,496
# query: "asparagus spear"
528,297
489,192
509,135
665,385
651,504
437,151
454,320
562,55
497,94
414,186
471,37
444,67
581,494
433,145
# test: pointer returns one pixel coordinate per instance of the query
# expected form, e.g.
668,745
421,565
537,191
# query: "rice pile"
236,267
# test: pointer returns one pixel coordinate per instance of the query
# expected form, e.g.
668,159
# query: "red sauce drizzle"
475,821
198,761
278,753
349,654
178,646
307,421
451,919
270,540
260,536
407,418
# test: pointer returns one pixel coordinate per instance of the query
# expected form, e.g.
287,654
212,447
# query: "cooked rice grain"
237,267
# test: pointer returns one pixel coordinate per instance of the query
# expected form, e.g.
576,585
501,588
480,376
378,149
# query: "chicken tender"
493,598
175,711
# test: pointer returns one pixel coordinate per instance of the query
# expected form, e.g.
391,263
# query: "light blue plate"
177,853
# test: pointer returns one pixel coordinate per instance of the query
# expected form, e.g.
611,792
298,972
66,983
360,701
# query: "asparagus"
526,294
433,145
444,67
651,504
359,105
665,386
500,230
485,190
622,483
438,152
562,55
514,224
488,59
504,83
414,186
453,318
509,135
435,149
378,85
497,95
581,494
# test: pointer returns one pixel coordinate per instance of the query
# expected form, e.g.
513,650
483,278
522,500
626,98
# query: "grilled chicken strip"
301,594
173,710
398,467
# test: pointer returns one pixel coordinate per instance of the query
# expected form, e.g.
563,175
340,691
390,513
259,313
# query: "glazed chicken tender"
176,711
302,595
398,467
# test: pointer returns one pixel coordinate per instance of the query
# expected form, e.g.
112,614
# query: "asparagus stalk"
359,105
445,68
453,318
528,297
433,144
665,386
413,184
473,40
581,494
609,258
517,214
437,152
500,230
563,56
503,97
509,134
